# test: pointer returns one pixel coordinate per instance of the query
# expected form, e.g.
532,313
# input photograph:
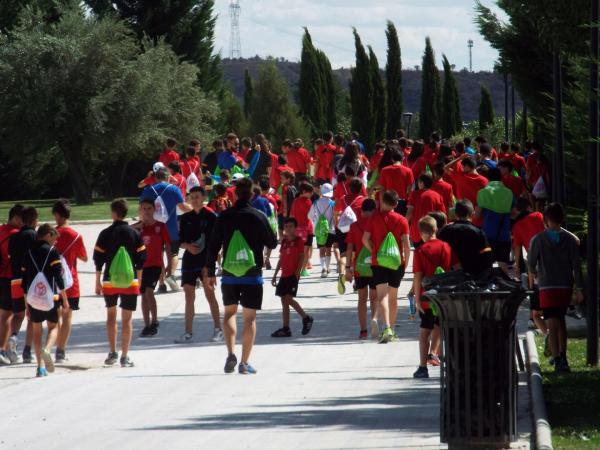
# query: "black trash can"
478,372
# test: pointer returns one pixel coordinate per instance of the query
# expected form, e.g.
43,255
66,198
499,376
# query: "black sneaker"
112,359
27,358
126,362
282,332
60,356
421,372
230,363
162,289
145,332
561,365
153,329
307,324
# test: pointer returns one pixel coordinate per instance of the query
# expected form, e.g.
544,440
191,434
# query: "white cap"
327,190
237,176
157,166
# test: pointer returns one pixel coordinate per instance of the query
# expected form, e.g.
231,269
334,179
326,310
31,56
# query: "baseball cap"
157,166
237,176
327,190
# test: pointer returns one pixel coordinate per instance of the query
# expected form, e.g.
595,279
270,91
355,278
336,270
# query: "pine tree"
310,86
393,74
328,92
430,94
451,121
379,99
248,93
486,109
361,94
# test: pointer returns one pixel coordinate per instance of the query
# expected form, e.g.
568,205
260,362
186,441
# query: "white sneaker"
4,361
172,282
374,329
219,272
217,335
323,273
13,351
185,338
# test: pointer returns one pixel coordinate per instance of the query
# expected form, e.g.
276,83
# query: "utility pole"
235,44
470,45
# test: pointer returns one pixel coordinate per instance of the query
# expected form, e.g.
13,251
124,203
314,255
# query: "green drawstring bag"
273,222
121,269
239,258
363,263
433,306
388,255
322,230
373,179
428,169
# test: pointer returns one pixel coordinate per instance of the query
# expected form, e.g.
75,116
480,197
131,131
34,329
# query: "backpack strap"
45,261
71,244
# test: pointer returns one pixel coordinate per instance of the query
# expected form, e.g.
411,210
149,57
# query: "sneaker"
323,273
230,363
374,329
561,365
246,369
13,350
126,362
185,338
172,282
572,312
48,360
162,289
394,337
307,324
27,358
531,324
217,335
282,332
153,329
60,356
433,360
41,372
267,264
305,273
364,334
4,361
341,285
112,359
145,332
421,372
547,351
386,336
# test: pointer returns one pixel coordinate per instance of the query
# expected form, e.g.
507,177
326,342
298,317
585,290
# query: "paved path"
324,391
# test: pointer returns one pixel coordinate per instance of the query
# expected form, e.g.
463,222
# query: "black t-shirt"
18,246
264,162
196,227
470,245
210,162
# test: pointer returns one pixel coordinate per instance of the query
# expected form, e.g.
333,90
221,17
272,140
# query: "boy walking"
321,214
291,261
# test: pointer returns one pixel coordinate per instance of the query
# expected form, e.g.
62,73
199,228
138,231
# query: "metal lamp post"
407,116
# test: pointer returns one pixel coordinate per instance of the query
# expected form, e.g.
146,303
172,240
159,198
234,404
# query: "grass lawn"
96,211
573,400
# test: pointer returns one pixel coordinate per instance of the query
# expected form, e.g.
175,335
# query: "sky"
275,27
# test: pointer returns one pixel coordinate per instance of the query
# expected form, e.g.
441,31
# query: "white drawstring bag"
40,294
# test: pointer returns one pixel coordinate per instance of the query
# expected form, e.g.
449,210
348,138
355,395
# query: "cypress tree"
328,92
430,93
393,74
486,109
450,103
248,93
361,95
379,100
310,86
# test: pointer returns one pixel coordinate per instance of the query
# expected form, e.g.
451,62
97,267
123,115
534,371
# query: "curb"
543,431
96,221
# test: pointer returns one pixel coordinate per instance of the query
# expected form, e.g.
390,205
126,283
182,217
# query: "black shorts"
287,286
7,303
500,251
331,239
128,301
309,240
341,240
189,277
555,313
383,275
248,295
175,247
363,282
74,303
402,207
38,316
150,277
428,320
534,300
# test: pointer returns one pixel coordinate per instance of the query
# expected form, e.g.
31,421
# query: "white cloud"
274,28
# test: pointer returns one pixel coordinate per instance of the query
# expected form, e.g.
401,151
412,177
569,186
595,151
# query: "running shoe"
246,369
323,273
374,329
4,360
230,363
185,338
282,332
433,360
394,337
572,312
153,329
27,358
41,372
217,335
341,285
561,365
421,372
13,350
60,356
267,264
364,334
126,362
172,282
386,336
547,351
305,273
162,289
47,357
531,324
307,324
145,332
112,359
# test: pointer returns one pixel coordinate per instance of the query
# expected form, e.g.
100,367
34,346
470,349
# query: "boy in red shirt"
155,237
169,154
422,202
428,257
190,164
467,180
176,178
70,245
278,169
387,280
515,184
288,194
324,154
441,186
220,201
300,211
397,178
291,262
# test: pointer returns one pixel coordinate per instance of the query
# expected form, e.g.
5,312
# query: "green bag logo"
121,269
363,263
273,222
388,255
239,258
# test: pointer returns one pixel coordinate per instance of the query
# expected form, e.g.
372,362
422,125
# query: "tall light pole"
408,117
470,45
235,43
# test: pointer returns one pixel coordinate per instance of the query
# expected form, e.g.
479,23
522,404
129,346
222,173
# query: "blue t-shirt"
470,151
496,226
171,196
226,160
262,204
490,163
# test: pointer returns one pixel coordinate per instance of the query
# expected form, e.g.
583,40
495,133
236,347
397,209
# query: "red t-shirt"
6,231
419,167
376,159
324,157
167,156
275,177
423,202
526,228
355,201
396,178
298,160
273,200
429,256
155,237
354,237
380,224
515,184
468,185
230,192
278,172
289,254
535,168
220,204
445,191
518,162
70,246
189,166
178,180
299,211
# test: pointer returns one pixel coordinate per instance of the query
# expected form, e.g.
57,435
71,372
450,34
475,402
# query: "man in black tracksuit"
246,290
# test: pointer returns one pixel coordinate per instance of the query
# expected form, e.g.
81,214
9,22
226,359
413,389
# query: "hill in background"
468,84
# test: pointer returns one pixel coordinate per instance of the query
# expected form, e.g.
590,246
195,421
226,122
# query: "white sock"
327,262
322,258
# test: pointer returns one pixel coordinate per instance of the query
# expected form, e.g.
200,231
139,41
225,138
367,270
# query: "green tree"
393,75
273,112
486,109
232,118
379,99
328,91
85,88
188,25
429,116
248,93
451,119
310,86
49,10
361,95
